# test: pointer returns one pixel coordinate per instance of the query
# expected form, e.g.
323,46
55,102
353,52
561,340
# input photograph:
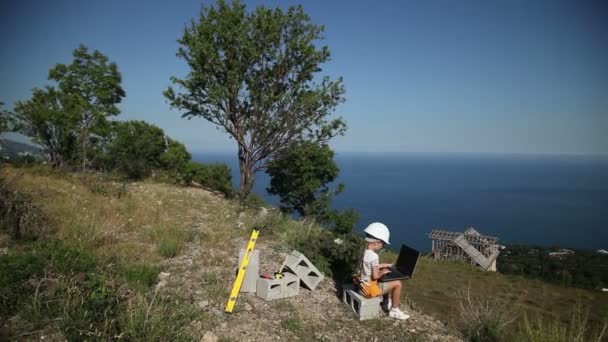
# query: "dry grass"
135,222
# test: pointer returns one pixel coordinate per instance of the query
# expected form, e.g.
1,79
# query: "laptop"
405,265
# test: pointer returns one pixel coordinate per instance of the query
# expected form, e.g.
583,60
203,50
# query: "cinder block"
364,308
271,289
253,270
302,267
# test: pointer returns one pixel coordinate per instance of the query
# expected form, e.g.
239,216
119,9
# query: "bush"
254,201
213,176
481,321
135,148
336,254
300,175
175,160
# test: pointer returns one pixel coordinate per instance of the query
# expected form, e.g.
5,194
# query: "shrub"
135,148
253,201
300,175
481,321
213,176
336,254
175,160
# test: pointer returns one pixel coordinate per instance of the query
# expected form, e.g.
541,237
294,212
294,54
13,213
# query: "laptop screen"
406,262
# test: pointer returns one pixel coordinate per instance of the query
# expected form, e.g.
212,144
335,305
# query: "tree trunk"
84,149
246,170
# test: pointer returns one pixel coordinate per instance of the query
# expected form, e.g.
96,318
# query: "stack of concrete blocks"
253,269
297,270
299,265
364,308
271,289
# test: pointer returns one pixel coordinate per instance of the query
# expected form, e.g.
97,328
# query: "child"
370,270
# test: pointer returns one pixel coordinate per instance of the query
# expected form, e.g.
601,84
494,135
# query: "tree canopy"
255,75
50,118
301,176
93,84
136,148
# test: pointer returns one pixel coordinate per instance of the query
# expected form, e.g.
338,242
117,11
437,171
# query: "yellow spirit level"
236,288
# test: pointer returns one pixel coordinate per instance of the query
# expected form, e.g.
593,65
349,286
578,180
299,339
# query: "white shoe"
396,313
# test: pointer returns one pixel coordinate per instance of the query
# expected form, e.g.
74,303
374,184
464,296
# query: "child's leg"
394,289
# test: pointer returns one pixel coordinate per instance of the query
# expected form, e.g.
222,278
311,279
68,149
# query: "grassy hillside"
90,256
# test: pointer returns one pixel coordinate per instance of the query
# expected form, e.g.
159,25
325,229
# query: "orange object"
371,289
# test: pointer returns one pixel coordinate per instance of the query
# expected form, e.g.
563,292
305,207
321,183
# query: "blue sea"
534,200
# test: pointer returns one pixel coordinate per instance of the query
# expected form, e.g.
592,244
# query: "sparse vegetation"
106,239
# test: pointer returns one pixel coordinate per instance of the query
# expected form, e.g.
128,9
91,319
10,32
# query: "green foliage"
4,119
213,176
292,324
69,119
17,271
135,148
332,253
252,74
343,222
576,329
93,83
160,318
56,286
301,175
169,240
50,118
583,268
481,320
140,275
175,159
254,201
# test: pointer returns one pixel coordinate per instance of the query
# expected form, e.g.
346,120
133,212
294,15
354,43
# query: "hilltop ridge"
188,239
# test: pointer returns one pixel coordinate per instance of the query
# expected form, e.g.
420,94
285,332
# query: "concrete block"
271,289
364,308
253,271
309,275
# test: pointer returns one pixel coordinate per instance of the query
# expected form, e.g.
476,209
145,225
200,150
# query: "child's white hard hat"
379,231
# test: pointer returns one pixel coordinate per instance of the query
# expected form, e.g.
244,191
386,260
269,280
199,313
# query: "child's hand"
385,265
384,271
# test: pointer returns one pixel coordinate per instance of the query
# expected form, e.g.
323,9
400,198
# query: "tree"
50,118
135,148
300,175
94,83
254,75
4,119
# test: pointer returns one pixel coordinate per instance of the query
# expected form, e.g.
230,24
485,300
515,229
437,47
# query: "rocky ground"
205,272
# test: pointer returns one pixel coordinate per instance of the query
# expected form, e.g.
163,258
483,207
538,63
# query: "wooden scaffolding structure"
470,246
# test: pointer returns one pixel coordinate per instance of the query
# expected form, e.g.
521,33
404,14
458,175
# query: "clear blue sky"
506,76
